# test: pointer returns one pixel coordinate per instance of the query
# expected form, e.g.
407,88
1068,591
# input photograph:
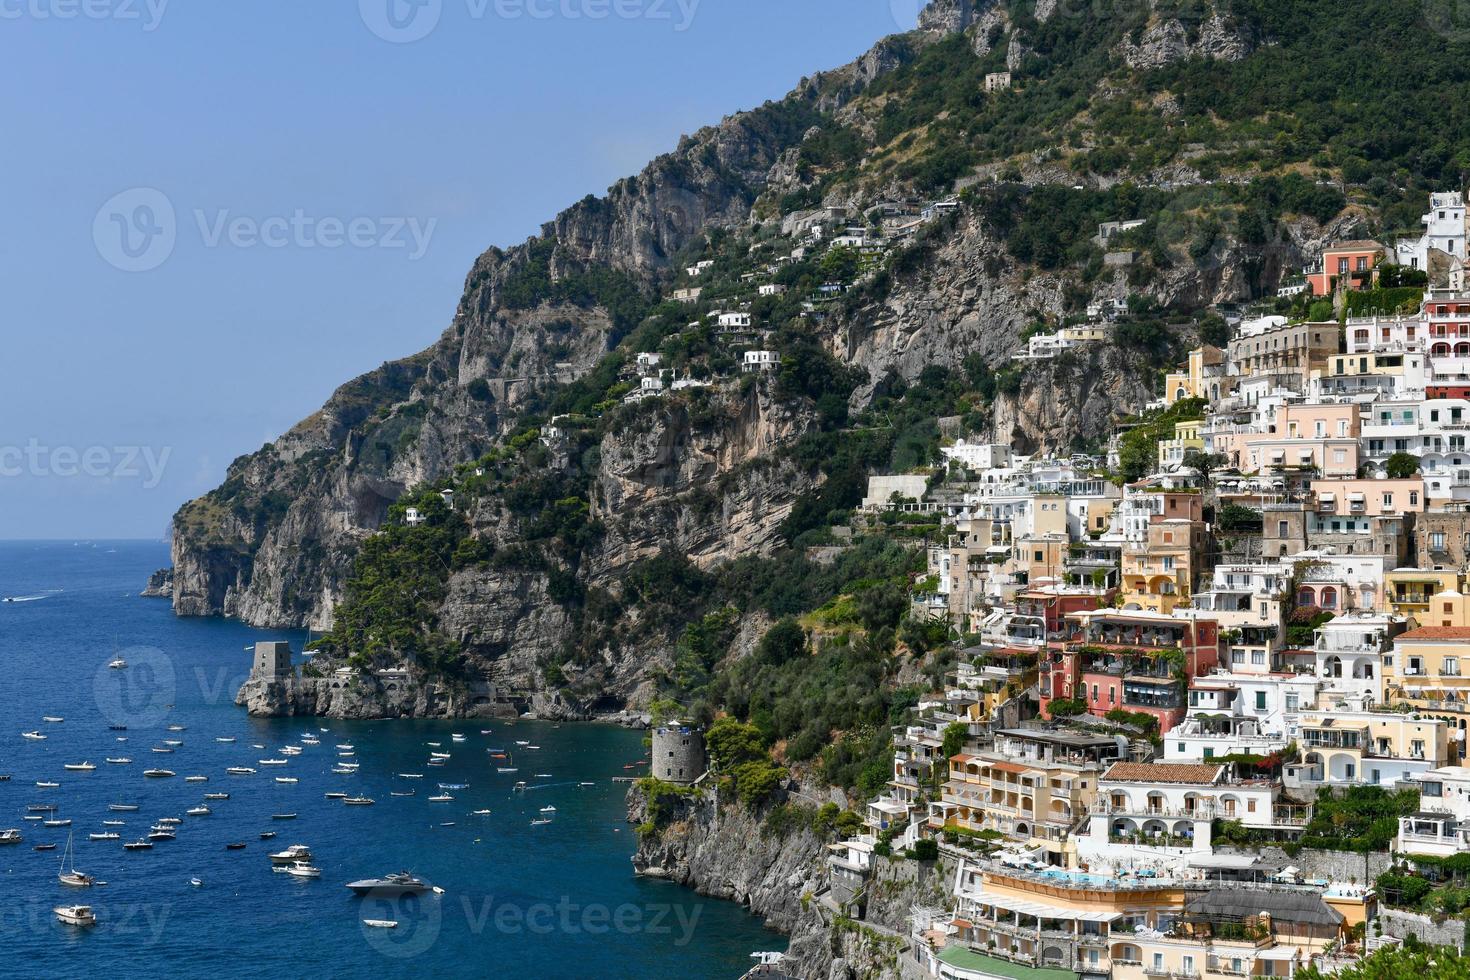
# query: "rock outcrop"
160,585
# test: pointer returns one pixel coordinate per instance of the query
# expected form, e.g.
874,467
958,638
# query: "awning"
1023,907
1355,496
1278,953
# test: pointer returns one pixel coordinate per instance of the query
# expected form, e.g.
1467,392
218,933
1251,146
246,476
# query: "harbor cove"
509,897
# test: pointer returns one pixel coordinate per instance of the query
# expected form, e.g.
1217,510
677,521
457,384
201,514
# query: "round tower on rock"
678,752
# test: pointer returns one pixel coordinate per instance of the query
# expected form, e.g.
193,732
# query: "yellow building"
1159,574
1349,747
1202,376
1410,592
1186,437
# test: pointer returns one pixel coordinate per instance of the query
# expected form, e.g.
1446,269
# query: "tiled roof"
1436,633
1163,772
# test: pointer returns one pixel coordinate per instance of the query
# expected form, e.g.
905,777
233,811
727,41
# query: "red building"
1138,661
1052,604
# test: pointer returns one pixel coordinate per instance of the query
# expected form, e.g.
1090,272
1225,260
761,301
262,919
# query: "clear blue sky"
268,128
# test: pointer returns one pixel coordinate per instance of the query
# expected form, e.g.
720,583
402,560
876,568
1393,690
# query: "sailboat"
72,877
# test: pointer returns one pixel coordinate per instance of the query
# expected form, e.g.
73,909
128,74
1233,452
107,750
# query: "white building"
1441,827
1444,229
1351,651
413,517
648,362
760,360
699,268
1172,805
978,455
734,321
771,289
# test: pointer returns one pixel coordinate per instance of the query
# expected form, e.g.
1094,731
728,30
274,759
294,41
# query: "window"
1260,700
1258,658
1450,667
1209,752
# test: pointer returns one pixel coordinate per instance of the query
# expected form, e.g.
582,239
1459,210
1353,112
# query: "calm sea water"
547,901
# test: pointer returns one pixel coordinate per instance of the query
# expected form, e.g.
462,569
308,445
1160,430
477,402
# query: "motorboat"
479,813
105,835
506,769
359,801
548,809
138,845
56,823
216,796
117,728
440,755
236,846
240,771
196,779
170,821
47,784
159,773
196,882
198,811
273,762
173,742
336,796
11,836
540,822
292,854
158,835
120,761
410,775
283,816
122,807
267,834
302,869
114,823
396,793
176,728
75,915
52,719
380,923
390,886
40,807
162,750
78,766
44,847
226,740
441,798
286,779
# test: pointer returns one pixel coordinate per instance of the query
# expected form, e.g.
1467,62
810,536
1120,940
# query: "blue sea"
557,900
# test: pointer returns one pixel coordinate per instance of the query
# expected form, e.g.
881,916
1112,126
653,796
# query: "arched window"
1306,597
1329,597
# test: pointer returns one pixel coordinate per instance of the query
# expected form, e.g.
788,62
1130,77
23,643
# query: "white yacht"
117,663
79,766
76,915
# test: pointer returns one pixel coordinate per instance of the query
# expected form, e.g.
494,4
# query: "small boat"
71,877
11,836
117,728
447,823
518,742
162,750
236,846
122,807
380,923
176,728
410,775
196,882
267,834
283,816
457,737
519,787
346,747
114,823
47,784
548,809
138,845
117,664
506,769
159,773
33,736
240,771
336,796
257,746
75,915
216,796
40,807
291,855
289,750
44,847
440,755
172,742
540,822
286,779
340,771
479,813
78,766
198,811
196,779
105,835
484,731
436,762
533,748
56,823
301,869
34,816
273,762
543,775
162,835
170,821
227,740
454,785
359,801
52,719
120,761
396,793
441,798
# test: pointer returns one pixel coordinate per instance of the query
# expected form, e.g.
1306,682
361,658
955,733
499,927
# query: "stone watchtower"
678,752
272,661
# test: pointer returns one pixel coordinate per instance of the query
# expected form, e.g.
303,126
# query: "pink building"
1346,263
1369,498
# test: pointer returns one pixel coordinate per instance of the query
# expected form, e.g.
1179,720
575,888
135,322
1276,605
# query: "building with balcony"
1232,713
1410,592
1204,376
1347,265
1173,804
1352,651
1443,538
1159,572
1350,747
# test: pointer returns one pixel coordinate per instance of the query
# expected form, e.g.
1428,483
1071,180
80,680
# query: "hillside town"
1208,722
